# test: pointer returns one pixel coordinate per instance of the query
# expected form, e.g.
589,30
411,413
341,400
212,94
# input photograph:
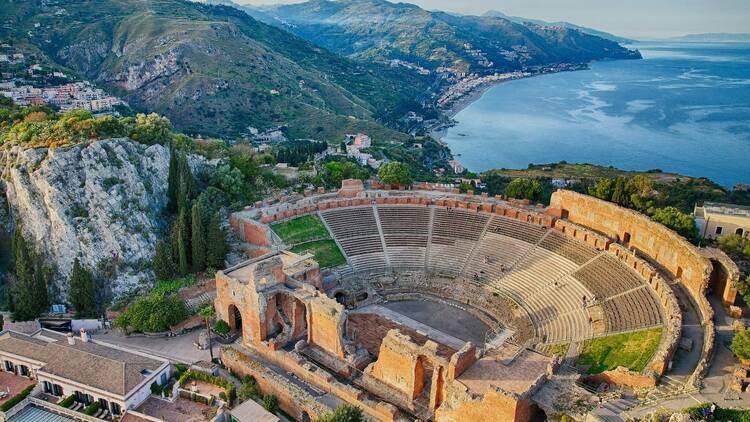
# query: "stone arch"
234,318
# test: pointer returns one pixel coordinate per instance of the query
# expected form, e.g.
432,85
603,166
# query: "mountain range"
714,37
320,69
212,70
381,30
585,30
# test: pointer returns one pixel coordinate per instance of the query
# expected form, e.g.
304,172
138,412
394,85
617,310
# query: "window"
24,370
719,229
739,231
47,387
57,390
163,378
116,408
9,366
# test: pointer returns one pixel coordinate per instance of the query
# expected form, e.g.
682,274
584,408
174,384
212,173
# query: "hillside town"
29,82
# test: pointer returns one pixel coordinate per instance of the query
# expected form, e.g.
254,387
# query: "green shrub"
16,399
110,182
68,401
156,389
92,408
155,312
174,285
221,327
741,344
271,403
344,413
249,389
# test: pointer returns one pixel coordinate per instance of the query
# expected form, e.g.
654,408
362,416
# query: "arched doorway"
235,318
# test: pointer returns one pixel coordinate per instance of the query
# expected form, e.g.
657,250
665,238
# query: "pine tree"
172,181
82,293
183,242
198,238
216,243
163,262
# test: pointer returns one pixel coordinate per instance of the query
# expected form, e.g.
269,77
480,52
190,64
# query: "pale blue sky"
633,18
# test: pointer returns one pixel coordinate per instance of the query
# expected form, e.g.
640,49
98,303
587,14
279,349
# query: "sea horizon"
663,112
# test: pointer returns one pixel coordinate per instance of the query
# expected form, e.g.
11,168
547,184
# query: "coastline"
438,132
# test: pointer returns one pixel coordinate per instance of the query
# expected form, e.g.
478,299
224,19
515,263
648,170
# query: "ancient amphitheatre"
456,307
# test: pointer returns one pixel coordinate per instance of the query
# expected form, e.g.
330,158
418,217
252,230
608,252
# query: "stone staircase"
195,303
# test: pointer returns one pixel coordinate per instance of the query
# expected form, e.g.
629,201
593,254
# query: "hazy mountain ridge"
714,37
213,70
584,29
377,29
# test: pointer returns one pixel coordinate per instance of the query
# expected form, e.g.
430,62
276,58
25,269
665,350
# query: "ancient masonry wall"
293,399
665,247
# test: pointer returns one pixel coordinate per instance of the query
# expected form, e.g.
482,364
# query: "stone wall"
250,231
369,330
493,406
664,246
622,376
325,319
293,399
673,253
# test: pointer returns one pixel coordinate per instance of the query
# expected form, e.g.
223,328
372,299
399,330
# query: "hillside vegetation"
214,70
378,29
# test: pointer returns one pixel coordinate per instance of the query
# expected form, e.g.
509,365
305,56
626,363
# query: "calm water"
685,108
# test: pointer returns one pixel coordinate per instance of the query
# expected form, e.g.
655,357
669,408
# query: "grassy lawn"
326,252
631,350
301,229
560,349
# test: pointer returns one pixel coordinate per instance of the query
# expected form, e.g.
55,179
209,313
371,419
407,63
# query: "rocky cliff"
102,202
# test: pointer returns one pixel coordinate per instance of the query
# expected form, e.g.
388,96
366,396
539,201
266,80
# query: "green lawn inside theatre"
301,229
631,350
326,252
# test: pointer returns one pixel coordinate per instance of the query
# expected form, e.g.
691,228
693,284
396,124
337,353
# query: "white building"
117,378
716,220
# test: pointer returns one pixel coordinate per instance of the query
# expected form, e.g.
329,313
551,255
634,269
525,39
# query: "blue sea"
685,108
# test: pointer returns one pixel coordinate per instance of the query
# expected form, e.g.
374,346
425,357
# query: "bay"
684,108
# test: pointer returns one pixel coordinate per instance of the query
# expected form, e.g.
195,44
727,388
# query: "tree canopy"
741,344
155,312
523,188
677,220
395,173
344,413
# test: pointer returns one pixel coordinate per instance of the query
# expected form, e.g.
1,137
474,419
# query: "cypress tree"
185,188
163,262
216,242
172,181
198,238
82,293
183,242
29,293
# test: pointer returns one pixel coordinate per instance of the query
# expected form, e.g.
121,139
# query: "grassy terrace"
631,350
326,252
301,229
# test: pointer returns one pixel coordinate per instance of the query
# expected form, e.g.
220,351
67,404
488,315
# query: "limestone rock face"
102,202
